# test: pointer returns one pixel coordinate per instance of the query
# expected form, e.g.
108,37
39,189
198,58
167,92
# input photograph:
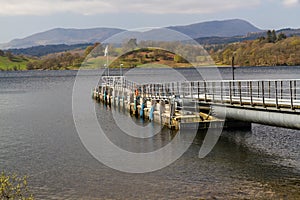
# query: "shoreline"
126,68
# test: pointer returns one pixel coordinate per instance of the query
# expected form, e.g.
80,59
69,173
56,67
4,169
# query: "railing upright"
295,90
281,89
251,97
213,91
276,95
263,93
269,89
291,95
222,93
191,89
178,91
198,87
230,92
205,95
240,92
258,91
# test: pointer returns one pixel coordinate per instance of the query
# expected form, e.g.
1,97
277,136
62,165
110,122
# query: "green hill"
261,52
272,50
13,62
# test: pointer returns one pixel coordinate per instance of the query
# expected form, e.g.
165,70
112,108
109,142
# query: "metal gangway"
270,102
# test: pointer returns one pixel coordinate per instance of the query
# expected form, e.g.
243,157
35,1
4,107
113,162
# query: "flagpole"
107,63
106,54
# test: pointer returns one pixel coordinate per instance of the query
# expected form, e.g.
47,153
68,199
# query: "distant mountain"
43,50
226,28
289,31
63,36
156,34
227,40
250,36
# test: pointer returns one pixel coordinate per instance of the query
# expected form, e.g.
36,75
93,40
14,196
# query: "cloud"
89,7
290,2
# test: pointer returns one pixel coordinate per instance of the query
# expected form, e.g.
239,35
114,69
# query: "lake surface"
38,138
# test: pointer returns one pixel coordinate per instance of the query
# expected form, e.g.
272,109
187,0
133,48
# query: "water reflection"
38,138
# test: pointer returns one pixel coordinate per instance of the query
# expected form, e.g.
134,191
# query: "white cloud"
44,7
290,2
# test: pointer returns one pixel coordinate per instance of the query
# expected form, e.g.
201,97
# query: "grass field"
16,63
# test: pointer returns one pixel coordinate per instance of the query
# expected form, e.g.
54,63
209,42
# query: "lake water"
38,138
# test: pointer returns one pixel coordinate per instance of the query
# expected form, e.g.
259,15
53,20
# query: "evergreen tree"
273,36
269,36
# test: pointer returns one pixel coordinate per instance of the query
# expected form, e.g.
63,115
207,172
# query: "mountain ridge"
221,28
217,28
68,36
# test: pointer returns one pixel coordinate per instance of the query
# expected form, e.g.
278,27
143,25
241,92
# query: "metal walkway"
271,102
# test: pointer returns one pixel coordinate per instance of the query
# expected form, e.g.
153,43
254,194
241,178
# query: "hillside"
149,57
240,38
260,52
11,62
271,50
48,49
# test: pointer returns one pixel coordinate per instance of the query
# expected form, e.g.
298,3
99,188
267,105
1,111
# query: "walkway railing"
263,93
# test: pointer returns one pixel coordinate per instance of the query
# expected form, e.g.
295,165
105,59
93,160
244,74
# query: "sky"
21,18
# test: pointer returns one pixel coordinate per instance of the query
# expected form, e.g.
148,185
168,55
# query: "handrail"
276,93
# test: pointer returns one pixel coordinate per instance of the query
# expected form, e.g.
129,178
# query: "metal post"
269,89
230,91
222,93
240,92
248,86
291,95
232,67
106,52
198,83
258,89
191,89
153,91
121,73
205,95
263,93
276,95
281,89
159,94
295,90
251,97
213,91
178,91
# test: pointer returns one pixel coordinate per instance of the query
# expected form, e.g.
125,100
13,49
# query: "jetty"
205,104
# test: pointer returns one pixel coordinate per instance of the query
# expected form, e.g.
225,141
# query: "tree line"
269,51
55,62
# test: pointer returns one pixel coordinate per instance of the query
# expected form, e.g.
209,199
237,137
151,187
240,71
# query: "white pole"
121,69
106,54
105,68
107,64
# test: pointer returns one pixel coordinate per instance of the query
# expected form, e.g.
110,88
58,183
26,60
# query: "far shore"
126,68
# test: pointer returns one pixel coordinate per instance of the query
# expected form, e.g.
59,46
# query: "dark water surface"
38,138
